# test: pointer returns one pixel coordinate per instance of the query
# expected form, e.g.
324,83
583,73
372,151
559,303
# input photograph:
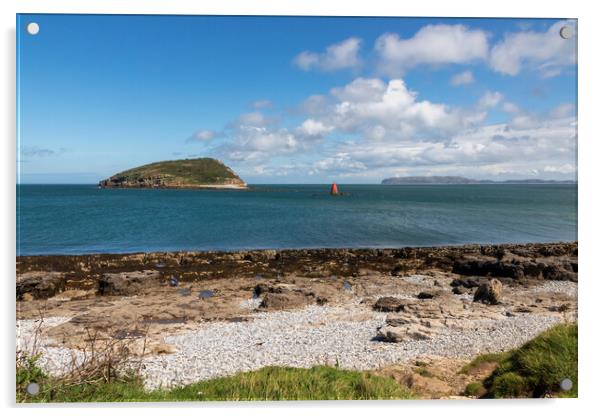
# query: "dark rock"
127,283
489,293
467,283
494,268
398,270
389,304
280,301
458,290
40,285
425,295
557,272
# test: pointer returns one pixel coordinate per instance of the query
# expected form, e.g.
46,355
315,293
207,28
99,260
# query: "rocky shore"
196,315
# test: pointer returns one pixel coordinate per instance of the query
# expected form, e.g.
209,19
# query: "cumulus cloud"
546,51
511,108
483,151
202,136
462,78
490,99
374,128
342,55
373,108
314,128
432,45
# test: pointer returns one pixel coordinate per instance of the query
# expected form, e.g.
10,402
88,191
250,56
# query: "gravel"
54,360
302,338
553,286
320,335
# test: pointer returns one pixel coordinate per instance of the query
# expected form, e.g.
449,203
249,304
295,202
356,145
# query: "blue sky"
297,99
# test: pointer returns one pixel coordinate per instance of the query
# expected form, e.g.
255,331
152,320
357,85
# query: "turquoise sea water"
72,219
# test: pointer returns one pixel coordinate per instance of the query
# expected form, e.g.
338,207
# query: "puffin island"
202,173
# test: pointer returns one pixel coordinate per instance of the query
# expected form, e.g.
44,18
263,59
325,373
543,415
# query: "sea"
80,219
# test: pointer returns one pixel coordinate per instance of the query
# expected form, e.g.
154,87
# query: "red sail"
334,190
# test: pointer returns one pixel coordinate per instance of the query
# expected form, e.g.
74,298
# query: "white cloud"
566,168
365,102
462,78
340,55
203,136
372,128
546,51
259,143
511,108
563,110
313,128
432,45
490,99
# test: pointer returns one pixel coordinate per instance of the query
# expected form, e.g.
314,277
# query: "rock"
458,290
398,270
425,295
40,285
262,288
489,293
467,283
557,272
494,268
389,304
409,332
280,301
164,349
126,283
27,297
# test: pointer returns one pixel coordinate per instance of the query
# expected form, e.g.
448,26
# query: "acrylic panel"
218,208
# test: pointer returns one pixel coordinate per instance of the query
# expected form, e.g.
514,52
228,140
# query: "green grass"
495,357
269,383
475,389
537,368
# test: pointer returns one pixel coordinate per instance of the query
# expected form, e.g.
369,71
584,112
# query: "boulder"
494,268
389,304
40,285
558,272
287,300
489,293
402,333
126,283
425,295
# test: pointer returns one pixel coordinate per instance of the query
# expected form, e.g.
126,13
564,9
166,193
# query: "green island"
185,173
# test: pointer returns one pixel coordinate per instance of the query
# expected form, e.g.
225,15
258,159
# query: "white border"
590,158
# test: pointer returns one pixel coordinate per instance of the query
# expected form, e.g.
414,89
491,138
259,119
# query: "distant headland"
202,173
460,180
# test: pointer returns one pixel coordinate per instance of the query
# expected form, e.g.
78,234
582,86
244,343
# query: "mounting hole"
566,384
33,388
566,32
33,28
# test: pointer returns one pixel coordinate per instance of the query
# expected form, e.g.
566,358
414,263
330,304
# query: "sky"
297,99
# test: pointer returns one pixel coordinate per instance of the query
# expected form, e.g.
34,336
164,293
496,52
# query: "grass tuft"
537,368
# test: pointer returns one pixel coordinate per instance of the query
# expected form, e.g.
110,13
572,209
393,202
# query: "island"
200,173
460,180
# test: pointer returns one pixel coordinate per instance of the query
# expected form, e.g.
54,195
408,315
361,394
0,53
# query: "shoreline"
363,309
468,246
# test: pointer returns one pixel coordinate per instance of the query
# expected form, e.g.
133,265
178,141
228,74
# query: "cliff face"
187,173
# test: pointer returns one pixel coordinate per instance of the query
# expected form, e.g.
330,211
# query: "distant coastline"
460,180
